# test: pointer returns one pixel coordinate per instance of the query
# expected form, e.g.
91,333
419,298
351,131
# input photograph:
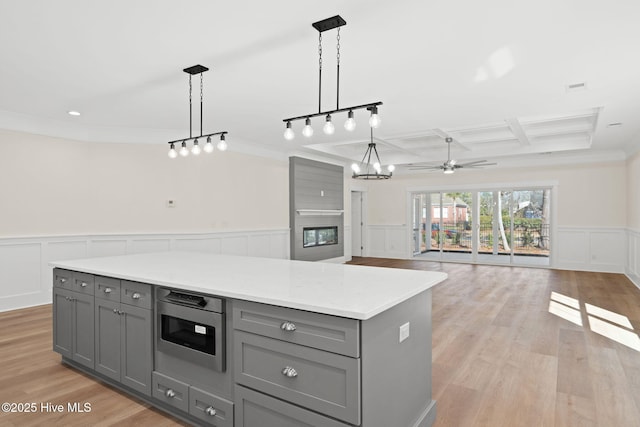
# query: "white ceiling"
493,75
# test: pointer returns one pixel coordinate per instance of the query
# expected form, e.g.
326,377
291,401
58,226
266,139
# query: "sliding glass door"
509,226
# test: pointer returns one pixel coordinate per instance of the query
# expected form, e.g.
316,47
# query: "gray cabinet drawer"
136,294
107,288
202,406
336,334
318,380
83,283
62,278
255,409
171,391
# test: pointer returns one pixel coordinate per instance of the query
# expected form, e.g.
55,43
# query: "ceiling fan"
451,165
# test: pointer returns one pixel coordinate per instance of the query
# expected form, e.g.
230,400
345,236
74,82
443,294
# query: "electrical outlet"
404,332
171,203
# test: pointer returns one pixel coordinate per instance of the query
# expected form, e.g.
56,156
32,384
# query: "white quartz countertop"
352,291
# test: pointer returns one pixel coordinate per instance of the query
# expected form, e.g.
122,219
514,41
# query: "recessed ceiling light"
73,113
614,125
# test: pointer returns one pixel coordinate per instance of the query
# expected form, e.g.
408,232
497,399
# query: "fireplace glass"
319,236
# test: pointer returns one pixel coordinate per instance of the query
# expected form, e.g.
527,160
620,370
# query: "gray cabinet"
123,334
73,319
306,359
206,407
255,409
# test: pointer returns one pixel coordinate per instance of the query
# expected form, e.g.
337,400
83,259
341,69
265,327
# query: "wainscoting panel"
20,268
143,245
104,247
25,274
572,247
591,249
387,241
633,256
198,245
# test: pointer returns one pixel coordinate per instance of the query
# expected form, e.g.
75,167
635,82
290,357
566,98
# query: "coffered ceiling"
515,83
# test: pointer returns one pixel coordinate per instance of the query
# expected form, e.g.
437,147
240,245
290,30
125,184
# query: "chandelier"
196,149
367,170
329,128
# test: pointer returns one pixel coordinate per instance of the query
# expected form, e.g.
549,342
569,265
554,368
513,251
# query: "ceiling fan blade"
477,162
480,166
424,167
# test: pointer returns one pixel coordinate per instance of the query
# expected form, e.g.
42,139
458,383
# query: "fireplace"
319,236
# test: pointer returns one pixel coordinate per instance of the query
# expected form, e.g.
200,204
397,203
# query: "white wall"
55,186
63,199
633,218
591,211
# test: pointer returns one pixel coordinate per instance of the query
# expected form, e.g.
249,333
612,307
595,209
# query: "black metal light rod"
339,110
200,136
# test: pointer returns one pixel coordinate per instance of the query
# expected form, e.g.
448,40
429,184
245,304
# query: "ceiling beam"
518,131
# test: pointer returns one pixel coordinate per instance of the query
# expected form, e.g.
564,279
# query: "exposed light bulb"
195,150
172,152
222,144
184,152
374,120
307,130
391,168
288,132
328,128
355,168
350,124
208,147
377,167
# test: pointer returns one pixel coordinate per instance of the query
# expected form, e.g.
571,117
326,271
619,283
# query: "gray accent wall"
319,186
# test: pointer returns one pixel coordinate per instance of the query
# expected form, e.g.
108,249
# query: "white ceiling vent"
576,87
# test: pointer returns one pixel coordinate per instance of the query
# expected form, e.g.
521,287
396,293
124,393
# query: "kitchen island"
299,343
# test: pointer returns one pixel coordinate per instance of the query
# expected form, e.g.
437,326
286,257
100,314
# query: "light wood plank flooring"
507,351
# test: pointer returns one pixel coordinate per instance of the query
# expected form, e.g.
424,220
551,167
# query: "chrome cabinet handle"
170,393
289,372
83,284
135,295
288,326
115,310
63,280
107,290
210,411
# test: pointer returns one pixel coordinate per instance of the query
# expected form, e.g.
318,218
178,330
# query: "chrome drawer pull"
135,295
288,326
107,290
210,411
115,310
83,284
289,372
63,280
170,393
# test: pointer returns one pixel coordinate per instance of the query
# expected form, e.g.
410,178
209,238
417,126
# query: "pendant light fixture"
196,148
329,127
367,170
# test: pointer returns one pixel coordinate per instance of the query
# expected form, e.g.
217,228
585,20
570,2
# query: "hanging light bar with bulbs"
196,149
329,128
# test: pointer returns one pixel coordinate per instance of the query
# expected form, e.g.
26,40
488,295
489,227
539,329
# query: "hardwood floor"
502,358
30,372
508,350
